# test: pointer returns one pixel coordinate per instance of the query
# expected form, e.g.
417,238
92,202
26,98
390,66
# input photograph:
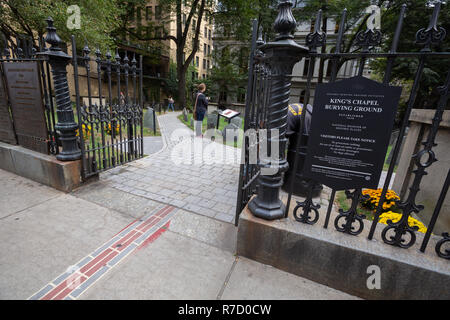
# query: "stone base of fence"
342,261
45,169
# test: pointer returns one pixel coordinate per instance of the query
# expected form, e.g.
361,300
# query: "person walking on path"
200,108
171,102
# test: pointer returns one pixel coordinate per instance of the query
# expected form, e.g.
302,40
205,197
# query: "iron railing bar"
141,97
249,182
52,107
339,42
398,144
330,207
101,106
84,171
48,111
395,42
87,66
436,213
311,70
244,165
119,102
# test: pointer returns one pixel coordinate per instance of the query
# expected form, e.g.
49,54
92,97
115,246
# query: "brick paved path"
209,189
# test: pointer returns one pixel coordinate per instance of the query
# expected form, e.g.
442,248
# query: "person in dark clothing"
301,184
200,108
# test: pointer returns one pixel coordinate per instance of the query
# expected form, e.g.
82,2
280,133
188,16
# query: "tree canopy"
27,18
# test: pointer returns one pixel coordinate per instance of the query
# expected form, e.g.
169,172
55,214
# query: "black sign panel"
25,97
6,126
351,125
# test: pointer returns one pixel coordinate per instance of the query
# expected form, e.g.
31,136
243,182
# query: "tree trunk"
181,74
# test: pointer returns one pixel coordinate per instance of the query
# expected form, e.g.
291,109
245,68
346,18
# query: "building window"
148,13
132,14
158,32
196,75
204,63
209,49
148,32
139,15
197,61
157,12
206,32
204,48
204,76
209,37
207,62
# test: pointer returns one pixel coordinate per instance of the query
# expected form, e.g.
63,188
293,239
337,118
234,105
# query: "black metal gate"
270,75
109,112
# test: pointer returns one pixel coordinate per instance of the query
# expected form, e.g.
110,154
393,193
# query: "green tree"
172,81
229,72
417,17
186,37
27,18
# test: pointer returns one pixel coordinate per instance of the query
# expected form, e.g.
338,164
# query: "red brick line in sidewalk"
77,279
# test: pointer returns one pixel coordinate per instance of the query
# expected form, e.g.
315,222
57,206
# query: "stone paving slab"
180,267
253,280
206,189
39,243
126,203
213,232
194,258
172,267
17,193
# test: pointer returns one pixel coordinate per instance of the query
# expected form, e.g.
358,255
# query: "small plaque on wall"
25,97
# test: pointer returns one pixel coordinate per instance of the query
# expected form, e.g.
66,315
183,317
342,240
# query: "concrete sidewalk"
44,234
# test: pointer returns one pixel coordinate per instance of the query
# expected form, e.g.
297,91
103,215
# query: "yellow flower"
395,217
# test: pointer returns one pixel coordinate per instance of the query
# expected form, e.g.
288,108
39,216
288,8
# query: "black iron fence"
267,103
24,49
110,120
104,124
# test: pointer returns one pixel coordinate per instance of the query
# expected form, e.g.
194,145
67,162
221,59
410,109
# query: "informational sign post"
351,126
6,127
229,114
25,97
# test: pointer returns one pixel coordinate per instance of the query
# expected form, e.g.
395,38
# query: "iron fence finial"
52,37
285,22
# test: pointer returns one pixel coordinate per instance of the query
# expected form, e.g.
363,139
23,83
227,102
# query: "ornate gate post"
281,56
66,125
